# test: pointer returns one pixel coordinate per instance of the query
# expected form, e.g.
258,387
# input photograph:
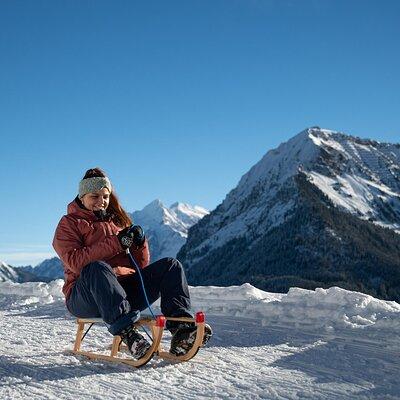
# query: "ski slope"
322,344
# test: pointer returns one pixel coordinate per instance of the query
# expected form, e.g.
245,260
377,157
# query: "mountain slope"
308,214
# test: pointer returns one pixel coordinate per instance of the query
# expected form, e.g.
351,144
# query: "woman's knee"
97,267
171,262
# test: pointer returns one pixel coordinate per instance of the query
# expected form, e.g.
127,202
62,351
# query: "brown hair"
118,215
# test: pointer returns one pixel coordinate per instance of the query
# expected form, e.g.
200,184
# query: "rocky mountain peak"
300,188
167,228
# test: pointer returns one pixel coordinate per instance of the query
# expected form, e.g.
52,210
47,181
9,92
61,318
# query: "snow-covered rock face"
7,273
167,228
359,176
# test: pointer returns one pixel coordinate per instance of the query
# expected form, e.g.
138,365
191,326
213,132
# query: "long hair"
118,215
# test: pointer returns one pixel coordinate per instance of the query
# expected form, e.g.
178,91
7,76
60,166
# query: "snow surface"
322,344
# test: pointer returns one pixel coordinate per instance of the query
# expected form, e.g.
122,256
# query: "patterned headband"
90,185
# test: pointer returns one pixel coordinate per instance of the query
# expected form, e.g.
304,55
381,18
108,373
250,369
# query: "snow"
326,141
372,172
355,194
188,214
321,344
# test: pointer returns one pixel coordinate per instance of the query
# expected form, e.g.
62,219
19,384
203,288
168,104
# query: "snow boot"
136,342
184,336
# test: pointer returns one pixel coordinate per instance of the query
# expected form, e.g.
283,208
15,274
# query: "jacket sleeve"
141,255
69,246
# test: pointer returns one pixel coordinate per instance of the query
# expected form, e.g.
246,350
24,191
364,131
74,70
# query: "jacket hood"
75,208
78,209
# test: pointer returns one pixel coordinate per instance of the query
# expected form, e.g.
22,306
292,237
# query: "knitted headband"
90,185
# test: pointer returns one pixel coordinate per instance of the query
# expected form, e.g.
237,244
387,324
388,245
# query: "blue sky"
176,100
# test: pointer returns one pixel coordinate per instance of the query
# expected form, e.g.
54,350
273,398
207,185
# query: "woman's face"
97,200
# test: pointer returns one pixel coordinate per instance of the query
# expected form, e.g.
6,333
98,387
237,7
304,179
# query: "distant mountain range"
166,229
47,270
321,210
22,274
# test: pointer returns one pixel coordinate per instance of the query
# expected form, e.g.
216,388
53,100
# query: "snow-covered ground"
322,344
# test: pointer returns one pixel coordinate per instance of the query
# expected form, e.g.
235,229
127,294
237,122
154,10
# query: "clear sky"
176,100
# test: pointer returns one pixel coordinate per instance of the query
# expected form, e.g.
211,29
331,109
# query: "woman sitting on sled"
91,241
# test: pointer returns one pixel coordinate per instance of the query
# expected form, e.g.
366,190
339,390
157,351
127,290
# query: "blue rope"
141,280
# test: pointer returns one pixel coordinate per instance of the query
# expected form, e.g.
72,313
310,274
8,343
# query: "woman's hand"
131,235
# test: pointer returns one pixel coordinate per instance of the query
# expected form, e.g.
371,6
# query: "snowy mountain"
51,268
15,274
167,228
322,344
8,273
46,271
322,209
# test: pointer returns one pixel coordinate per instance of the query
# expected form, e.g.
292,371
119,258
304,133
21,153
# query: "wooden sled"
157,329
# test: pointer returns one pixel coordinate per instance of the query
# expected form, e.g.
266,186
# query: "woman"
91,241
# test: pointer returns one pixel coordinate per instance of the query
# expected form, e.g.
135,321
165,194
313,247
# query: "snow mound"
330,310
33,292
327,310
333,309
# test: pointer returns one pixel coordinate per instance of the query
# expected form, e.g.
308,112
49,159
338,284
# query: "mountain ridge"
307,168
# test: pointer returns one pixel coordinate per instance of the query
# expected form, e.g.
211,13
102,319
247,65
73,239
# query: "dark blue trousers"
98,293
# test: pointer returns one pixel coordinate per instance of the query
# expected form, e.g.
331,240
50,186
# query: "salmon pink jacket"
81,238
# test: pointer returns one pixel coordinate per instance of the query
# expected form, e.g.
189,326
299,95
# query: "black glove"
138,235
131,235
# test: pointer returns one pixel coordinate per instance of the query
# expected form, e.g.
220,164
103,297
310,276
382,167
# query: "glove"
131,235
138,235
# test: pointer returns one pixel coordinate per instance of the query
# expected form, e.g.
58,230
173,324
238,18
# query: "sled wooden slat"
181,319
90,320
79,335
118,360
115,346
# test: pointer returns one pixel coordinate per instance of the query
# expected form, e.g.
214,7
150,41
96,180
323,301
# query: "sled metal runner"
157,329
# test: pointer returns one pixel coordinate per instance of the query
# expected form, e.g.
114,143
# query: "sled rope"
141,281
147,333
